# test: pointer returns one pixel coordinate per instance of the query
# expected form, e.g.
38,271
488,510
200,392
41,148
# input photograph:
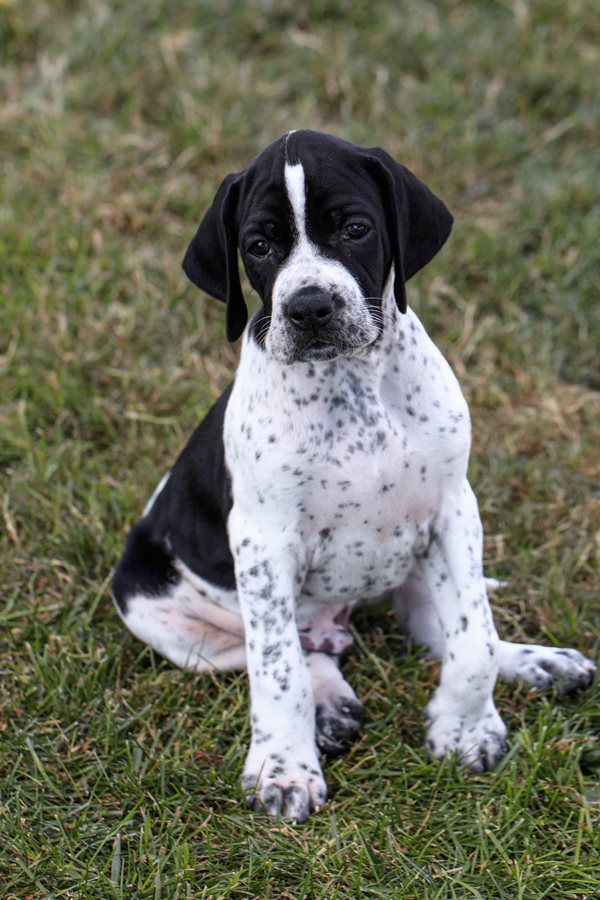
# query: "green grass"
118,774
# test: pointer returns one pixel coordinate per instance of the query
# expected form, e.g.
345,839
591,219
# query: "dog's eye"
355,230
259,248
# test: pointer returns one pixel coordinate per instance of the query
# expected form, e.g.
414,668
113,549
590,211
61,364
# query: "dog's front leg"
461,716
282,769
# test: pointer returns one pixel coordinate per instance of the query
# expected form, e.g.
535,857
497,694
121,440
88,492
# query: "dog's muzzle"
313,323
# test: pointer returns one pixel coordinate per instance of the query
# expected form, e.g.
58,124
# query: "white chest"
348,462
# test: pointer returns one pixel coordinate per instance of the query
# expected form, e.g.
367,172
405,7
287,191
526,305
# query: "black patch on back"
188,520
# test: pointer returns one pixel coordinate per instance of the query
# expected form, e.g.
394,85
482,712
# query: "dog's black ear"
418,222
211,260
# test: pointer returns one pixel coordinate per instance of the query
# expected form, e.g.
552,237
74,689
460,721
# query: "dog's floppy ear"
418,222
211,261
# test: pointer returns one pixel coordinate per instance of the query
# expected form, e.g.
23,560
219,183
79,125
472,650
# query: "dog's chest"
349,465
365,508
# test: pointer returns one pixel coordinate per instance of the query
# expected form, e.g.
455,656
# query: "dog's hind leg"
189,621
541,667
188,630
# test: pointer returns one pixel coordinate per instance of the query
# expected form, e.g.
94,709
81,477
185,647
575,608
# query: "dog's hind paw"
337,723
545,668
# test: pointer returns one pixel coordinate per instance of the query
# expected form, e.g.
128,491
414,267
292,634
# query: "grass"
118,774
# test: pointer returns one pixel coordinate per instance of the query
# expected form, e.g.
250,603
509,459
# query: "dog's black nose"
310,308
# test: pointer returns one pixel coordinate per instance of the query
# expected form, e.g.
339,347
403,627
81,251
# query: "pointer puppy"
332,472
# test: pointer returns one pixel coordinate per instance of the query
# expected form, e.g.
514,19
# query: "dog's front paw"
478,743
337,722
291,788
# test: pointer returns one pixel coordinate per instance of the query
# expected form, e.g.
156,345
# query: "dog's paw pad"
337,724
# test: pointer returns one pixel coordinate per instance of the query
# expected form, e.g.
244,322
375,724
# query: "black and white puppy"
332,472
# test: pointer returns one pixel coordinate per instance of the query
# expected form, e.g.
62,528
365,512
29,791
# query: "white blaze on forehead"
306,267
296,191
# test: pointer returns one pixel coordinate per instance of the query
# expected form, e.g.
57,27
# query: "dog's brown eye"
355,230
259,248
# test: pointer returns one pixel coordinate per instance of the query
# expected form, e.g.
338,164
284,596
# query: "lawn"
119,774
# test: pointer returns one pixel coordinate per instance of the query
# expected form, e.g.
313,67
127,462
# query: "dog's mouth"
318,350
338,340
326,351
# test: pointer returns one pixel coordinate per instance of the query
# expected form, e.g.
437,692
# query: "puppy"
332,472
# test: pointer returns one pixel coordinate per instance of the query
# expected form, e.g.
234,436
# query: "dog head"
319,223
